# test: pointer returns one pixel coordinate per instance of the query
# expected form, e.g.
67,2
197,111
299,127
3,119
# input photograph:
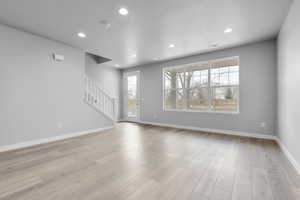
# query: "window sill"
200,111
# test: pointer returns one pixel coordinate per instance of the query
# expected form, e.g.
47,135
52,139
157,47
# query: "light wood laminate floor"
139,162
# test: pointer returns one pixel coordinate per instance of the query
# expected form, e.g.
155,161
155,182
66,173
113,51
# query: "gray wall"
38,94
289,81
109,78
257,91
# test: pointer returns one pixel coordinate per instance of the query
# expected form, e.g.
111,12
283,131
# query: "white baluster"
97,98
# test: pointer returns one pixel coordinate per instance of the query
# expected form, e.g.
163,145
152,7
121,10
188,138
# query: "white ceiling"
151,25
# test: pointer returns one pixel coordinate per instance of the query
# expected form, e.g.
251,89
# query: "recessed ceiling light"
172,45
133,55
117,65
228,30
123,11
82,35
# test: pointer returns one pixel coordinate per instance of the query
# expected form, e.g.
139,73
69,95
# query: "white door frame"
138,94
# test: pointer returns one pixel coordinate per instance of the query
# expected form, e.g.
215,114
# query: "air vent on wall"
58,58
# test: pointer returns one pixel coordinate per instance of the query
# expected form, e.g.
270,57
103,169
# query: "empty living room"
149,100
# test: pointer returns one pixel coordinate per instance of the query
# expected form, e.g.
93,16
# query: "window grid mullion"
209,90
176,90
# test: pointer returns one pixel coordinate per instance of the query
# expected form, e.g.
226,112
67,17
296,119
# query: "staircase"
100,100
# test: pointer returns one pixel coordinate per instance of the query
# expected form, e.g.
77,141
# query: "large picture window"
206,86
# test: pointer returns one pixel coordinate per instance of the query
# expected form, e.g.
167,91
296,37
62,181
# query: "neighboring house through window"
206,86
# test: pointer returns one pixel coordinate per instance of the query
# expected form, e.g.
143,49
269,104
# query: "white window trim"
209,96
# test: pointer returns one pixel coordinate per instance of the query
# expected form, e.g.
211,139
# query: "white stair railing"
99,99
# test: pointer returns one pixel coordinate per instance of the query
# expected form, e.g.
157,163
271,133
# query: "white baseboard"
129,120
50,139
289,156
221,131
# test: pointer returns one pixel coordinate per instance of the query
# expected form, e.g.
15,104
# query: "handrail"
96,97
97,84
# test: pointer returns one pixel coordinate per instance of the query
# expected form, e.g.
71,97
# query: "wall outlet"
59,125
263,124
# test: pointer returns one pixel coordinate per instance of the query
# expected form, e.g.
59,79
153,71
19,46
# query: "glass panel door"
131,98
